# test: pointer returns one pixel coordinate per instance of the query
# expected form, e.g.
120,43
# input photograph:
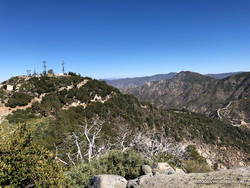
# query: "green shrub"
127,164
72,74
2,94
23,164
193,154
50,105
192,166
196,163
168,158
18,99
21,116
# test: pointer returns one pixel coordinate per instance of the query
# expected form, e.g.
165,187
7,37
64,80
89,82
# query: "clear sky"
124,38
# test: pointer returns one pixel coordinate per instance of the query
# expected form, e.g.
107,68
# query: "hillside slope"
69,112
226,98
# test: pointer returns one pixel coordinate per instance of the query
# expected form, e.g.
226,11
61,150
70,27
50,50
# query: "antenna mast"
34,72
63,71
44,68
28,72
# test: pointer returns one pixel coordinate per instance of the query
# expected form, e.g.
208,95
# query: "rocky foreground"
162,176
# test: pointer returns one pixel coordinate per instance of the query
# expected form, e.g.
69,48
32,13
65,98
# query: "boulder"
163,168
144,179
108,181
133,183
179,171
146,169
9,88
167,181
18,86
138,181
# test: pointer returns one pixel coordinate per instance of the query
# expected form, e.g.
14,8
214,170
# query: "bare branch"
57,158
78,147
68,154
91,134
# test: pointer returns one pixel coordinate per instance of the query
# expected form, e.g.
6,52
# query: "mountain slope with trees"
80,119
226,98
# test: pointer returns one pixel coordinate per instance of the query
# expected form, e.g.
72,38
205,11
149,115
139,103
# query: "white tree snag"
91,133
79,153
57,158
70,159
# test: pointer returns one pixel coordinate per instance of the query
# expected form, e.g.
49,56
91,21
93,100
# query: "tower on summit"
63,68
44,67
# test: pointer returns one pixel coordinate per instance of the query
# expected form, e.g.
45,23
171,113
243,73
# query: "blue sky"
124,38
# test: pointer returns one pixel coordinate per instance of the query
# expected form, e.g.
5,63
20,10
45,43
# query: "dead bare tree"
70,159
91,131
79,152
58,159
153,143
122,140
84,142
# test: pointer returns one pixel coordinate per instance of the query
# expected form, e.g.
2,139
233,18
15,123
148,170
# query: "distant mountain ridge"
126,83
227,98
223,75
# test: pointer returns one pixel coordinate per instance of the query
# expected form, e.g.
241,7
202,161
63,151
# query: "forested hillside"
76,120
226,98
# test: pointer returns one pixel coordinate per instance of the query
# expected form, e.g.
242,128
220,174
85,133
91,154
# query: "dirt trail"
225,108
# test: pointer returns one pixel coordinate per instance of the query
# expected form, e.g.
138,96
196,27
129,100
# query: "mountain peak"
191,76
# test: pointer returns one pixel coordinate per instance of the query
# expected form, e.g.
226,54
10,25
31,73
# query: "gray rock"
179,171
167,181
138,181
163,168
108,181
232,178
146,169
133,183
145,178
10,88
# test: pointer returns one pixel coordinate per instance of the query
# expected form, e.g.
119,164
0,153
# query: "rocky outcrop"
139,181
220,179
179,171
163,168
157,169
9,88
146,169
239,177
108,181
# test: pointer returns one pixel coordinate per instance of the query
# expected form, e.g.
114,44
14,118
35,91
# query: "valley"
227,98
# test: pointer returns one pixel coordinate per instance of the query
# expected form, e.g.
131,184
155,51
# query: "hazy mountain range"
126,83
